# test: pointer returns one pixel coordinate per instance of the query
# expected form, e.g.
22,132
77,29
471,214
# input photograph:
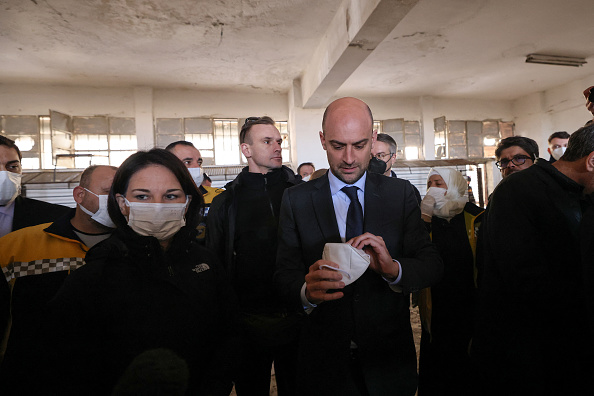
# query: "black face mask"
376,165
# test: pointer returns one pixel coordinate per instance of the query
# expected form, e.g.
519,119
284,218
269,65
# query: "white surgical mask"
10,187
101,216
156,219
558,152
197,175
352,262
439,194
306,178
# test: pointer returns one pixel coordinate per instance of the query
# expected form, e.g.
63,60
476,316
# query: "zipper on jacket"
170,271
268,196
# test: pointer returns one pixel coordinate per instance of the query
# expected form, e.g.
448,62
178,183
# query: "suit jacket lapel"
324,209
373,202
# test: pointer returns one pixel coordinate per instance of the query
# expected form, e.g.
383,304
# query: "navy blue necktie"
354,223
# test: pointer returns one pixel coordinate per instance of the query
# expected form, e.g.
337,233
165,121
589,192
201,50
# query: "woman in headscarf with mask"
150,285
447,308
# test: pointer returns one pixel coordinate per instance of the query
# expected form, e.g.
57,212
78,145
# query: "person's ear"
590,162
323,140
125,209
549,150
78,193
373,137
246,150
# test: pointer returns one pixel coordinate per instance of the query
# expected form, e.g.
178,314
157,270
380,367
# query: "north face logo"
201,268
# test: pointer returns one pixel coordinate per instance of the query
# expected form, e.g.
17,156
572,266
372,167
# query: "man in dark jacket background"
17,212
242,230
532,320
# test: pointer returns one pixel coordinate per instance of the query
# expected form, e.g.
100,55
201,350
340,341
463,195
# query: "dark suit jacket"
29,212
371,314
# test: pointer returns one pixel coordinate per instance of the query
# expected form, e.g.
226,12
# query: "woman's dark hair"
141,160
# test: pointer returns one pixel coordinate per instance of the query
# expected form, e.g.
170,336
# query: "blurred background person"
192,159
18,212
557,145
447,308
385,149
305,170
150,285
589,95
318,173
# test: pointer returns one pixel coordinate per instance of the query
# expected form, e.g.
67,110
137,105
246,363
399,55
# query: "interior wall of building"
536,115
561,108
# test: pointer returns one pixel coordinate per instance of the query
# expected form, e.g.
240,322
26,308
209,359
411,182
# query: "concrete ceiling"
399,48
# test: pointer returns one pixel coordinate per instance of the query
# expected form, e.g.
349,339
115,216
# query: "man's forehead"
380,147
103,175
559,141
512,151
264,131
184,151
8,154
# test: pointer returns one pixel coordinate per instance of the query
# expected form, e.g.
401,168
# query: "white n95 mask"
558,152
439,194
10,187
352,262
197,175
101,216
156,219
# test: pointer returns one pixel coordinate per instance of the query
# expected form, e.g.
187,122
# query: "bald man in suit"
356,340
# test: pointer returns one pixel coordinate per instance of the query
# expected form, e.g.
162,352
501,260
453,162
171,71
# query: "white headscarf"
456,196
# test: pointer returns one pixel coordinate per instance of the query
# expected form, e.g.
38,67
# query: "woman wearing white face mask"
150,285
447,308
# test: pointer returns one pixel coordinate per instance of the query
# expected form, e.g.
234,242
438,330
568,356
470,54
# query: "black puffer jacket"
132,296
220,229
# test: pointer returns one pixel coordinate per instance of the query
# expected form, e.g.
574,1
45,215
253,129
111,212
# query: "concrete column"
143,113
304,126
427,116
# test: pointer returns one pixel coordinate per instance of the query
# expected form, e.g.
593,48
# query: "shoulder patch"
201,268
20,269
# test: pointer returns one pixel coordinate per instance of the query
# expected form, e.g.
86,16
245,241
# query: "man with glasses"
532,333
385,150
515,153
242,230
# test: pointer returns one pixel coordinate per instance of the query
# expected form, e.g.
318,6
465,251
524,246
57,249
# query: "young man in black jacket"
242,230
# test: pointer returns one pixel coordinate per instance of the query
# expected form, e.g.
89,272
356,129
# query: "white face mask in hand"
10,187
352,262
101,216
156,219
197,175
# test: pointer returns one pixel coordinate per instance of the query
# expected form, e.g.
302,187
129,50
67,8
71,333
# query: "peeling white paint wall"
559,109
536,115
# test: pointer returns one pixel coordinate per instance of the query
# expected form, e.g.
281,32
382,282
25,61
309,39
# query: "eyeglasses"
516,160
251,120
381,156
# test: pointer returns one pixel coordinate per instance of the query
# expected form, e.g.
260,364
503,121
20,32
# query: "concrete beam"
357,28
